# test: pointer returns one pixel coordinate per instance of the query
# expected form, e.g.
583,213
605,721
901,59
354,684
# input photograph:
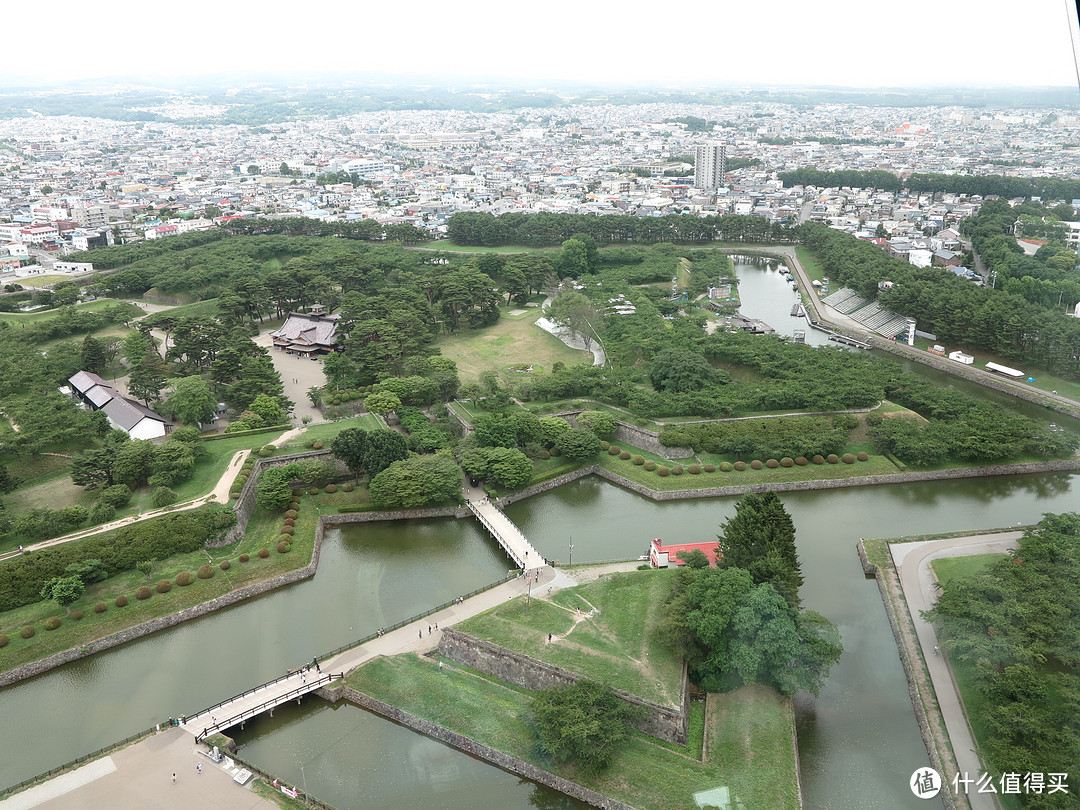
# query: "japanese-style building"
307,334
124,413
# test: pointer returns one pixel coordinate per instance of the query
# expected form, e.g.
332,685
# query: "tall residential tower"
710,162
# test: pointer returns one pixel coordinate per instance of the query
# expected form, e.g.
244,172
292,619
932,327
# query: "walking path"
920,589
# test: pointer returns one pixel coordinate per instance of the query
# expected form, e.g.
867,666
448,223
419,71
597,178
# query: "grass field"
209,308
262,532
619,646
510,341
949,568
645,775
17,318
810,264
43,281
751,731
326,431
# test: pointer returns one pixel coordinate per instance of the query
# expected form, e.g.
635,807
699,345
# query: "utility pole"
571,551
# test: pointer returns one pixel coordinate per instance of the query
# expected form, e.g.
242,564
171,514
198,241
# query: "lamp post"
305,784
571,551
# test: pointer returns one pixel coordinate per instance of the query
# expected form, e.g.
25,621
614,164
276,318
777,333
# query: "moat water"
858,740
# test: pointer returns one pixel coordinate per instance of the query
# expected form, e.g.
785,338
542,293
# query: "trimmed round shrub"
52,623
330,489
545,454
283,547
205,572
787,462
294,506
832,458
234,494
184,578
264,553
862,456
625,455
348,486
292,513
772,463
874,418
224,565
289,530
650,466
289,522
285,538
818,459
296,493
801,461
243,558
314,491
848,458
663,472
143,592
756,464
638,460
163,496
121,601
605,445
4,641
267,450
726,466
613,451
99,607
28,631
555,452
677,469
164,586
240,481
76,614
740,466
317,446
694,469
709,468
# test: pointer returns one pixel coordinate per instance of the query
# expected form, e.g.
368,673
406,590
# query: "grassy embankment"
750,735
27,318
263,531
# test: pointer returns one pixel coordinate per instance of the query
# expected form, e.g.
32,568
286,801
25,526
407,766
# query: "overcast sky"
859,43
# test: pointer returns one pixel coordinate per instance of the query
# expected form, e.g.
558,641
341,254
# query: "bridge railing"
251,691
300,691
497,534
418,616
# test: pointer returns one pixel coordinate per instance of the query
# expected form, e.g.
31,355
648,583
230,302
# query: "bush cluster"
4,640
663,472
225,565
244,558
832,458
709,468
755,464
184,578
677,469
740,466
76,614
205,572
772,463
650,466
331,489
862,456
348,486
22,578
164,586
121,601
848,458
99,607
787,462
28,631
143,592
264,553
52,622
283,547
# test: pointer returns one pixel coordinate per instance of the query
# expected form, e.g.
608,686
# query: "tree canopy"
584,723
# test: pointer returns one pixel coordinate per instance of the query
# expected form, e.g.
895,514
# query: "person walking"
198,767
174,777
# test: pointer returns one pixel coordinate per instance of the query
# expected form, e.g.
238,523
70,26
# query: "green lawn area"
618,646
645,775
209,308
751,731
949,568
43,281
17,318
326,431
510,341
810,264
451,247
262,532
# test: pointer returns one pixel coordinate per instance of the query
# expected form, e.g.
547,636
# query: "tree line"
1048,188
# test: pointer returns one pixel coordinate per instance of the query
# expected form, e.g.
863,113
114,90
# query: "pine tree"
761,538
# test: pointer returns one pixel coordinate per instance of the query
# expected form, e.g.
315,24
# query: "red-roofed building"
665,556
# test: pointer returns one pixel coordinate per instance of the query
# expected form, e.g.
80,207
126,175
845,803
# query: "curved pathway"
920,589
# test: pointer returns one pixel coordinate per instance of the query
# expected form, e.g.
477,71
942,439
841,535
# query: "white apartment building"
710,163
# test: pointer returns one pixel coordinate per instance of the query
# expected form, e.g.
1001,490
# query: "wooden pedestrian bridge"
509,536
263,698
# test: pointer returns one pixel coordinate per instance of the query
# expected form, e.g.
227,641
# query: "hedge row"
219,436
22,578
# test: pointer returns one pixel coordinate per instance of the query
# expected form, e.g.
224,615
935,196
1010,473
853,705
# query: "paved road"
920,589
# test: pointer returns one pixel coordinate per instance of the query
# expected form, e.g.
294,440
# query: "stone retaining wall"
886,582
1066,465
663,722
473,748
647,440
398,514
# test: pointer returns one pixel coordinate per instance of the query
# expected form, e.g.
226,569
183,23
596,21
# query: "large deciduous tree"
585,723
416,481
192,402
63,590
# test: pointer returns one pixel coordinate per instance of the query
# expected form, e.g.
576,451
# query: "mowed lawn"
644,774
604,630
513,340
